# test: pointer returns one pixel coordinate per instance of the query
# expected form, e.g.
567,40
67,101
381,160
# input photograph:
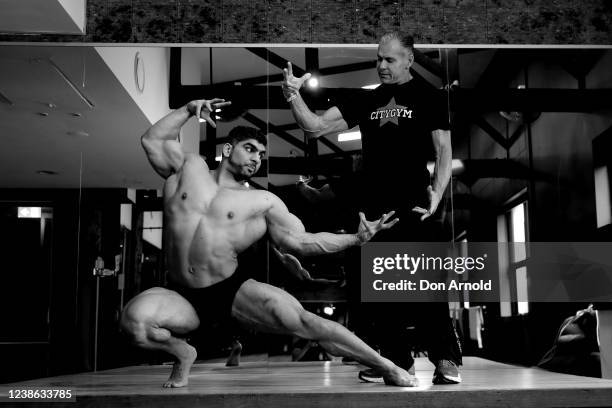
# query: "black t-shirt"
396,122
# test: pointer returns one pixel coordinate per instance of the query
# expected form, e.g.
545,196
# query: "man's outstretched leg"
268,308
153,319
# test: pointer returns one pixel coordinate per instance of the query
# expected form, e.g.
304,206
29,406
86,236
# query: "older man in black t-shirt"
399,121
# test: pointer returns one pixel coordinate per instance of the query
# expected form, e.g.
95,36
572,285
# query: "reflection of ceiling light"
348,136
46,172
370,86
201,120
313,82
511,116
328,310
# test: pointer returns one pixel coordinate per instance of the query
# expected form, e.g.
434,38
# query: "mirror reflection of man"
399,121
210,217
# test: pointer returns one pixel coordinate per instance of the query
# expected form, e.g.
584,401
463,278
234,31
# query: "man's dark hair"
240,133
406,40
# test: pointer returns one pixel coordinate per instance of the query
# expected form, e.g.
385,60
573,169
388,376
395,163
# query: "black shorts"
213,304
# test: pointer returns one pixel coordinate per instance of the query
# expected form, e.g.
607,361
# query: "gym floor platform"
324,384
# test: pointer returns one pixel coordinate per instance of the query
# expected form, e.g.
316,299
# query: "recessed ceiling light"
46,172
79,133
43,113
313,82
348,136
76,114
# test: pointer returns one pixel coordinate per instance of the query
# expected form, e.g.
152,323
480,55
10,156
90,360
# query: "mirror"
530,129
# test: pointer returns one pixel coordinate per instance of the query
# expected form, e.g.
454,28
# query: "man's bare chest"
235,206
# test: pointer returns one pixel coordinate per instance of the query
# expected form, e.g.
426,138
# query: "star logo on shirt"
390,113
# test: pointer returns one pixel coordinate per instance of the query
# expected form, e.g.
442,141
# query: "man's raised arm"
314,125
288,232
160,141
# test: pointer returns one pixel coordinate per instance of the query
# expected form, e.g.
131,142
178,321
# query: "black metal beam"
343,69
275,59
530,100
502,68
208,147
462,100
269,127
288,126
578,63
311,59
261,79
491,131
496,168
483,99
516,134
320,165
281,132
332,146
338,69
429,64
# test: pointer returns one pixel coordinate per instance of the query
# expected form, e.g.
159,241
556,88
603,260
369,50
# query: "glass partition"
83,209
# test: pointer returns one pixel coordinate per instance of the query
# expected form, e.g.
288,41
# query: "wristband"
292,97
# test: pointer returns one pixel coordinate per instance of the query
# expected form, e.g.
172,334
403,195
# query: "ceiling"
73,110
63,110
67,110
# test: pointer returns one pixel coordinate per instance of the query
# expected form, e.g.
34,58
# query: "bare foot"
399,377
180,371
234,358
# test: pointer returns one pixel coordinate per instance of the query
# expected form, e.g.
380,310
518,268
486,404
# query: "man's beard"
244,175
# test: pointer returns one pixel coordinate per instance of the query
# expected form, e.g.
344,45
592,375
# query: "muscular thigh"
266,308
164,308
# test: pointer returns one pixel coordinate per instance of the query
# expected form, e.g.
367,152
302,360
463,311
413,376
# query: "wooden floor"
326,384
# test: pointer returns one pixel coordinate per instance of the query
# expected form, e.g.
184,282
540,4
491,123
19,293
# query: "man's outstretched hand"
367,229
434,200
203,108
291,85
